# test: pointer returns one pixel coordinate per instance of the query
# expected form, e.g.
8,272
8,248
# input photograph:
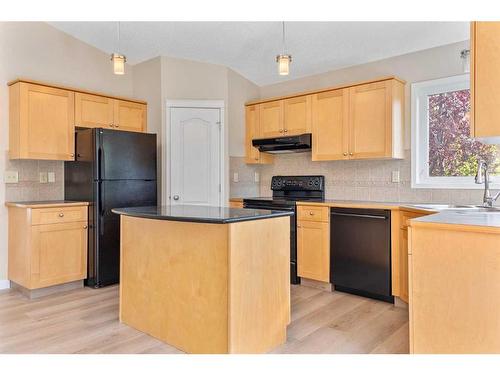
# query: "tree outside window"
452,152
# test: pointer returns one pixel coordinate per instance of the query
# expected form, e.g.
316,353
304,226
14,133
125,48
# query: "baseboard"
4,284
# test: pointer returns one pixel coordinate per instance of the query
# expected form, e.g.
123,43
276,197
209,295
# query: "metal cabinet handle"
61,214
116,125
84,227
72,155
345,153
176,197
350,153
286,131
281,130
311,213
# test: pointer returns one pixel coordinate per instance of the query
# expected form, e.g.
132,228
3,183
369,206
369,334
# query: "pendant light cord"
284,49
119,38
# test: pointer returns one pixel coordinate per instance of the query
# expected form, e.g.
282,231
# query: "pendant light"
465,56
284,59
118,59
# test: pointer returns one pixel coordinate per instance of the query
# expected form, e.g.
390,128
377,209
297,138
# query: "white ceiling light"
117,58
284,59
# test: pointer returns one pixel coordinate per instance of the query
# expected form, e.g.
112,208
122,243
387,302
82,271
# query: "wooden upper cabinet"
485,80
252,131
41,122
93,111
271,119
129,116
330,127
375,120
297,115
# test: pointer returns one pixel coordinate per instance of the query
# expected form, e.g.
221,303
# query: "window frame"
420,136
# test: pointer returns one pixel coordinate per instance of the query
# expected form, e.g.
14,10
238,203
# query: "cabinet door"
93,111
403,263
47,123
313,250
252,154
59,253
485,80
297,115
271,119
130,116
370,120
330,127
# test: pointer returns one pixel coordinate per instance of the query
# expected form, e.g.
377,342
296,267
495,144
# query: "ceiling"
250,48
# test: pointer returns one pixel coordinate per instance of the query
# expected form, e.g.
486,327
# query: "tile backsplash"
29,187
246,186
353,180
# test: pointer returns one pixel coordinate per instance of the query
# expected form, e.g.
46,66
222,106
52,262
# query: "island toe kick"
207,288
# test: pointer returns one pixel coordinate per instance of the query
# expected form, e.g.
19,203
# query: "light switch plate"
236,177
43,177
256,177
11,177
51,176
395,176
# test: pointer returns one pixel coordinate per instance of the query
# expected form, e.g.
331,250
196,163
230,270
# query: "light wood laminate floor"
86,321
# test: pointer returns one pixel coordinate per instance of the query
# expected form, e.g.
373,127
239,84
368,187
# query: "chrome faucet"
483,176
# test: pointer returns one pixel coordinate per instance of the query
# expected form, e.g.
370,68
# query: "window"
443,153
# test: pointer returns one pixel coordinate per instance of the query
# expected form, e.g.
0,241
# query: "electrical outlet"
11,177
395,176
256,177
51,177
43,177
236,177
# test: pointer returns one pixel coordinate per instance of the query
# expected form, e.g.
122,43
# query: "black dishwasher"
360,248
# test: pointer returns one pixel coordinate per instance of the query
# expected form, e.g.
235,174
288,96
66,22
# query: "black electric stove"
287,191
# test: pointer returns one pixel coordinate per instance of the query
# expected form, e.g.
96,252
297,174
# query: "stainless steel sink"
468,208
439,207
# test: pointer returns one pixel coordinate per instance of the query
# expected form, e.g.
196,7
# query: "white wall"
147,85
38,51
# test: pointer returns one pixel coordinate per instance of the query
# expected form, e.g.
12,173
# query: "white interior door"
195,165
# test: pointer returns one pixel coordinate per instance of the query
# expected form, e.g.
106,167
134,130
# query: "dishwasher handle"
360,215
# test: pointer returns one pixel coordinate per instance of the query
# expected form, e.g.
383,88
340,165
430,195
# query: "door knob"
176,197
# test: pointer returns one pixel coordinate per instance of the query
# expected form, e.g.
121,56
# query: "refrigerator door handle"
101,208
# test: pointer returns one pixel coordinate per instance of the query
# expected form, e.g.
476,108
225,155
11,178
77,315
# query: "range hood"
282,145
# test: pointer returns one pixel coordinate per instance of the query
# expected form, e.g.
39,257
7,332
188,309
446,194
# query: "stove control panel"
298,183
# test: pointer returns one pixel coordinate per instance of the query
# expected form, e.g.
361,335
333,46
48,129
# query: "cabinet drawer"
55,215
313,213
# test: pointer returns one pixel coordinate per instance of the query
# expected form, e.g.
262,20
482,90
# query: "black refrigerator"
111,169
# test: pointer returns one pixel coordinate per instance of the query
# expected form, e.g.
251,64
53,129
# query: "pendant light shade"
118,63
465,56
283,64
284,59
118,59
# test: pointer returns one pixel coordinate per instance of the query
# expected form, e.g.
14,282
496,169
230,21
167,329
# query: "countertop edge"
202,220
45,204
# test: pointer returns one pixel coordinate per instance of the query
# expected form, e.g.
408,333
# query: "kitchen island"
206,279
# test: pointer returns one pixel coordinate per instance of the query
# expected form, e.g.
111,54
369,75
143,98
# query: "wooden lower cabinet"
47,245
400,271
313,246
454,289
59,253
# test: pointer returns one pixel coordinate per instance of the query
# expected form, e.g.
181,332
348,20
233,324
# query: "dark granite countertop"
200,214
